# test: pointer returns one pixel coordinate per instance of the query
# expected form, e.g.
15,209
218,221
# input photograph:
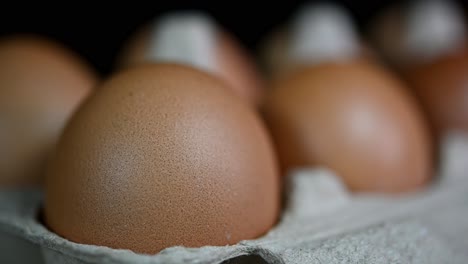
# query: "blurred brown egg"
428,47
355,119
346,113
193,39
161,156
442,86
41,84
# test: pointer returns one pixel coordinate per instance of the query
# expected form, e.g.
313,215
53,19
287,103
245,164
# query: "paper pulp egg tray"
321,223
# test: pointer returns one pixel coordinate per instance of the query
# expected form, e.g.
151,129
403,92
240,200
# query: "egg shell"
229,59
41,84
354,118
442,87
160,156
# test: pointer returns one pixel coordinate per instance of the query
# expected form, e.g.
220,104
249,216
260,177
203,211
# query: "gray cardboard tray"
321,223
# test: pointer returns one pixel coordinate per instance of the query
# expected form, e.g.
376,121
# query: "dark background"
97,33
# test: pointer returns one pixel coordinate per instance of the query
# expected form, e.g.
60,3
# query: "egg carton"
321,223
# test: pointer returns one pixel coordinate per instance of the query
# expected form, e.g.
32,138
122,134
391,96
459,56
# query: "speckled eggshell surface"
355,119
41,85
160,156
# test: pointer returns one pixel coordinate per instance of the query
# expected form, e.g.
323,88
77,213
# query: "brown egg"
210,49
428,47
442,86
41,84
160,156
354,118
334,106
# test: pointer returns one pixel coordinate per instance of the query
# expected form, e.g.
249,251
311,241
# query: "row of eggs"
185,143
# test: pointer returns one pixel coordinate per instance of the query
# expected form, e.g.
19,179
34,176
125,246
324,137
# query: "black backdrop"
97,32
